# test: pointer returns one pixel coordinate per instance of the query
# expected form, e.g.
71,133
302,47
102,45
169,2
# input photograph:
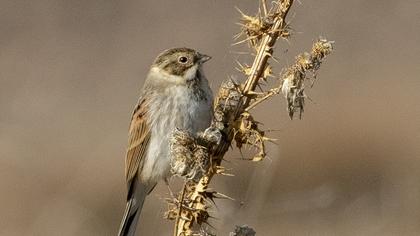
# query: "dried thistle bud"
322,48
229,94
254,27
188,159
227,101
243,230
210,136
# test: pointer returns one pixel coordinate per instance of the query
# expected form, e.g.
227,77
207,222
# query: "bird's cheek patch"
163,76
191,73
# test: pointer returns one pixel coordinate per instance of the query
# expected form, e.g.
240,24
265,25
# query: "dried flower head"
188,159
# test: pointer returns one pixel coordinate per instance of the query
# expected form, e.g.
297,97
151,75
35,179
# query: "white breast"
175,108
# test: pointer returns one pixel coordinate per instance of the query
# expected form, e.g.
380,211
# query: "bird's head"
178,65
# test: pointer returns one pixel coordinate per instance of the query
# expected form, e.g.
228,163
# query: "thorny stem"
265,50
198,159
186,220
181,200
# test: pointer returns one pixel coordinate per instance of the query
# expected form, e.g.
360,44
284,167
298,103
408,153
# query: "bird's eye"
183,59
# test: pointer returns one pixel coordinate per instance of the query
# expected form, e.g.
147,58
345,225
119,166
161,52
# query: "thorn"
207,223
224,196
239,10
269,139
227,174
245,40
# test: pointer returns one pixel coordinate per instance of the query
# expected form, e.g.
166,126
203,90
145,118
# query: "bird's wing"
138,141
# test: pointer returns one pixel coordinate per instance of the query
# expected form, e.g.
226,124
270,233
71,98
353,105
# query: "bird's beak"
203,58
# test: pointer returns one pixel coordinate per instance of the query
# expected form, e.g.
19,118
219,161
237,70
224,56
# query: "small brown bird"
175,95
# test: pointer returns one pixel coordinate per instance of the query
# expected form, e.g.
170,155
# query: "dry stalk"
198,158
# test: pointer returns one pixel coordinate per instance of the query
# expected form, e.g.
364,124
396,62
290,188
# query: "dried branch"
197,158
292,83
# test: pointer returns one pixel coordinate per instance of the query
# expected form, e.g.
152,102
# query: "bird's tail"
133,208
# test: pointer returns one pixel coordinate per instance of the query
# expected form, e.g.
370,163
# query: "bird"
175,95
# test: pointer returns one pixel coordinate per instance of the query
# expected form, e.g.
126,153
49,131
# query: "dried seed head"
322,48
243,230
253,28
226,104
293,85
188,159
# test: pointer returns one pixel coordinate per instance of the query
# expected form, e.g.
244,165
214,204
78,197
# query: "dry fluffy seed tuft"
188,159
293,85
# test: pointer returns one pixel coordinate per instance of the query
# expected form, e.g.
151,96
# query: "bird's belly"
180,112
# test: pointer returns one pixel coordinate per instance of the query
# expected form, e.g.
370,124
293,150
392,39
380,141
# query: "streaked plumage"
175,95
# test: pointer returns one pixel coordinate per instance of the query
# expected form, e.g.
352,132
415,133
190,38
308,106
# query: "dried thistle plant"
197,157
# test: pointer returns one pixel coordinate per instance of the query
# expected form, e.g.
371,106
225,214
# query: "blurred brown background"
70,73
